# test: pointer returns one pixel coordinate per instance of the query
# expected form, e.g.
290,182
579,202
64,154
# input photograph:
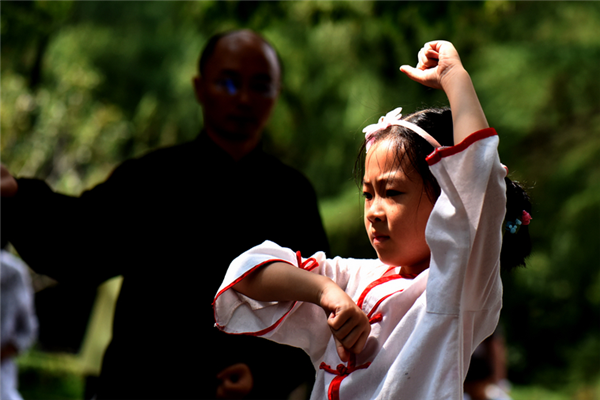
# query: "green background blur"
86,85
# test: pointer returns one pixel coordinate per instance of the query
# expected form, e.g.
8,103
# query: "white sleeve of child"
464,229
298,324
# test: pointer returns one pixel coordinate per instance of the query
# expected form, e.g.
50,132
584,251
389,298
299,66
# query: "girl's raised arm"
440,67
280,281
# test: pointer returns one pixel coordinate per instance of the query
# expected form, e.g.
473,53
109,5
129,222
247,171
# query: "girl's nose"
375,212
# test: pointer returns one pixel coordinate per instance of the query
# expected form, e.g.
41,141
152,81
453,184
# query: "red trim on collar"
405,276
409,276
385,278
376,282
442,152
379,302
388,270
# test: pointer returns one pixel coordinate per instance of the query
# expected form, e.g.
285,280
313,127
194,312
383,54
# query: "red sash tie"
342,372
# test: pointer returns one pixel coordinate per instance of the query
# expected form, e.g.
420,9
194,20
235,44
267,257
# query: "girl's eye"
367,195
392,193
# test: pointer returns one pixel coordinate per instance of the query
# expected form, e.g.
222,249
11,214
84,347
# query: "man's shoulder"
173,152
160,159
282,170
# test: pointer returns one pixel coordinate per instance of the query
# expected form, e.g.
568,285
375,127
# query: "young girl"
404,325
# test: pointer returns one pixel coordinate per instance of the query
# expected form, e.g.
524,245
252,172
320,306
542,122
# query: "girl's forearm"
283,282
467,114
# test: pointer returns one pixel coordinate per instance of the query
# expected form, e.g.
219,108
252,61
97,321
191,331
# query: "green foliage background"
86,85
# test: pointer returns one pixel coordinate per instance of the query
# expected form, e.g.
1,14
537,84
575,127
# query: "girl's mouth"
380,239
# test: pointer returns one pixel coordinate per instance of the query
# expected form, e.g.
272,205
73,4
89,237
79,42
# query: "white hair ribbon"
394,117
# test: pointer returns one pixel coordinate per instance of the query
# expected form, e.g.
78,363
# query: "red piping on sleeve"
244,275
442,152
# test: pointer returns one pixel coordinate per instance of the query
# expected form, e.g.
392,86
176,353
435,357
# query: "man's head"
237,86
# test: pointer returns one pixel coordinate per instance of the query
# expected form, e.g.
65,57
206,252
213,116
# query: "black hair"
210,46
410,145
437,122
515,246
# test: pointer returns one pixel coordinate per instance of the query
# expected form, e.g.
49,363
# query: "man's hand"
236,382
348,323
8,184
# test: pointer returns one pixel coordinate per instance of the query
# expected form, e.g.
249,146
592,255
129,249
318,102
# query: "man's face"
239,87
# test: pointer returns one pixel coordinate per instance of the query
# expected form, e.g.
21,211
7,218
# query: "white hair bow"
394,117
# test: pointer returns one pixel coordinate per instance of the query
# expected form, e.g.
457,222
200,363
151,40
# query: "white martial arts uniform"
423,330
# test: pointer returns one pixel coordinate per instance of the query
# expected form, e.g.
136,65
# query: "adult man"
170,223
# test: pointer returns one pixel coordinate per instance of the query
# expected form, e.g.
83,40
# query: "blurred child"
403,325
19,324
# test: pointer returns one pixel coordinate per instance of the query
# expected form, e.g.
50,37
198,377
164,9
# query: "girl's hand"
348,323
440,68
436,61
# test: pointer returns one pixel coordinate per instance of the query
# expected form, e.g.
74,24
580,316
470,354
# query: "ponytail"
515,246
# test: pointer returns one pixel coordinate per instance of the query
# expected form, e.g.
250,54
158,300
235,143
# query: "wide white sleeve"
297,324
464,229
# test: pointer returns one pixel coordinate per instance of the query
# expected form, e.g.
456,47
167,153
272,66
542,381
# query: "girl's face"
396,210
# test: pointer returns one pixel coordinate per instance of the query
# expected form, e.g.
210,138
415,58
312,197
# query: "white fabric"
394,117
430,325
19,323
